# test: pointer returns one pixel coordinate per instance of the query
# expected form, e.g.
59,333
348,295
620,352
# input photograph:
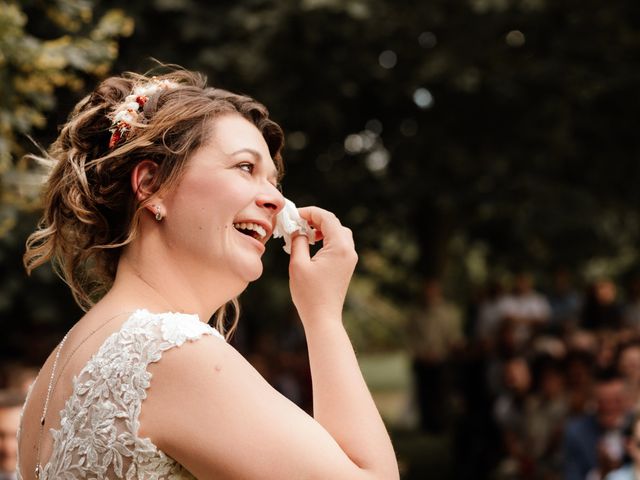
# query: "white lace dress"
98,436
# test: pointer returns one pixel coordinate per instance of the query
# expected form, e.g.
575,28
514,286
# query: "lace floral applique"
176,331
97,437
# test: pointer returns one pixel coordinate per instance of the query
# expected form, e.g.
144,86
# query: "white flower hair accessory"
289,221
126,114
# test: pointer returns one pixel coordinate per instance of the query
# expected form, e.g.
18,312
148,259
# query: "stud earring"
158,214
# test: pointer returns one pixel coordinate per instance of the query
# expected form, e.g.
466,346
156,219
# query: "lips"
258,244
259,230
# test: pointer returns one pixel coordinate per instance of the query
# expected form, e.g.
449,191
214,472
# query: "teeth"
252,226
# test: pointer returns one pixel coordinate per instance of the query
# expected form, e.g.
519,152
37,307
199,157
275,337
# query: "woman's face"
228,185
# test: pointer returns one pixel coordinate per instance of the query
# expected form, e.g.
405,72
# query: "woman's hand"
319,284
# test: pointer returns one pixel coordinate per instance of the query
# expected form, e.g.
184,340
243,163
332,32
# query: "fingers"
300,249
328,226
319,283
319,236
326,223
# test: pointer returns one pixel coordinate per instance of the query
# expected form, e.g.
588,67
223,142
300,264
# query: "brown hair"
90,210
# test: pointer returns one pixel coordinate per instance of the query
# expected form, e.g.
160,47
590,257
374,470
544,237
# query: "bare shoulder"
207,359
210,410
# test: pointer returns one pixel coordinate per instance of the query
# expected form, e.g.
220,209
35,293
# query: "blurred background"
485,154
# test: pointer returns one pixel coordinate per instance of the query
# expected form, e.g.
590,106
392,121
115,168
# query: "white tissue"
288,222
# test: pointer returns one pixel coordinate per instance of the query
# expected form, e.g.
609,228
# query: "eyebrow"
257,156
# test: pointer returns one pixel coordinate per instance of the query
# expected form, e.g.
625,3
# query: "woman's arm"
210,410
342,403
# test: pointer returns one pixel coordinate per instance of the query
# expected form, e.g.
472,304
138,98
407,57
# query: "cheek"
203,208
221,193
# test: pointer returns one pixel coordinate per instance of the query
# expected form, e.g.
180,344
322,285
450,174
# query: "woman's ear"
143,181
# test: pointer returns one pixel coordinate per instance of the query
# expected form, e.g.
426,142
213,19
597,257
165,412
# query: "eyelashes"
249,168
246,167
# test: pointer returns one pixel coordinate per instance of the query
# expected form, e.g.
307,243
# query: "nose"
271,199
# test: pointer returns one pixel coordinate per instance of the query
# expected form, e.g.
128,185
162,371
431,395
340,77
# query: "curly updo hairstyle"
90,210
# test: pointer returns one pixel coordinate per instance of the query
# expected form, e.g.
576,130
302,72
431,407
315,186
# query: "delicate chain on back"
98,434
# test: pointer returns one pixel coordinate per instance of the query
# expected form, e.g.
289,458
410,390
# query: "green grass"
420,456
386,371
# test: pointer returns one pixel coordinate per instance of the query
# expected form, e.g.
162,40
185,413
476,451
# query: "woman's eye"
247,167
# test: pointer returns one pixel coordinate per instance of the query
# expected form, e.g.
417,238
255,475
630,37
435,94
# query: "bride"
162,195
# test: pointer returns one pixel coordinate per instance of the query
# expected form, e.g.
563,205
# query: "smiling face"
223,210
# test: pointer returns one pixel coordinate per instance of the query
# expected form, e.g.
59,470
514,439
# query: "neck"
149,277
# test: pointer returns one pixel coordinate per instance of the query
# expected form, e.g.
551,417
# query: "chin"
249,272
255,275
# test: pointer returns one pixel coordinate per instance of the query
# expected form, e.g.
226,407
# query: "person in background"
631,469
602,310
607,351
565,302
628,365
511,410
526,308
631,309
547,414
579,374
10,406
489,315
435,333
593,443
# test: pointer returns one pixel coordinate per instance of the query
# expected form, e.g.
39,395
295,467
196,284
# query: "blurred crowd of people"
534,385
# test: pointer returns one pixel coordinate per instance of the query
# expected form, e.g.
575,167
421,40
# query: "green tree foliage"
47,49
71,47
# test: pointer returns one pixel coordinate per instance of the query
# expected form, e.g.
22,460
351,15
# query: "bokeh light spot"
388,59
378,160
297,140
515,38
427,40
354,143
423,98
374,126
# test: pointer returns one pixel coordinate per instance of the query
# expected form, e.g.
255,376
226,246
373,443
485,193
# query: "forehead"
231,135
232,132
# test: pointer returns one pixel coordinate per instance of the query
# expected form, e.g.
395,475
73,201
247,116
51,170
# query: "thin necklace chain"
52,385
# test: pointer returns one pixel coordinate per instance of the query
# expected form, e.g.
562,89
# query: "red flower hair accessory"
127,114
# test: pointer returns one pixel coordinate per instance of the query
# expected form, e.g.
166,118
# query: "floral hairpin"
125,115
